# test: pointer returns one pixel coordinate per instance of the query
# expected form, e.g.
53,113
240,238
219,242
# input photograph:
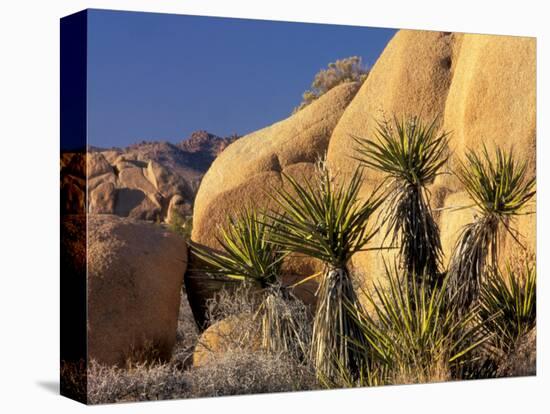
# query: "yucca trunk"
477,245
338,345
420,239
282,327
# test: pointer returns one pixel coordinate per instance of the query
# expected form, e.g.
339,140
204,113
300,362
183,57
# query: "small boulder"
223,336
135,273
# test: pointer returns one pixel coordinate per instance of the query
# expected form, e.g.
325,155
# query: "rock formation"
142,180
482,88
135,274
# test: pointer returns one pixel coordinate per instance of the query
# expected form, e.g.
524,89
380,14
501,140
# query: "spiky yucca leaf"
508,306
500,189
413,331
410,153
330,223
249,255
497,185
246,254
407,150
327,222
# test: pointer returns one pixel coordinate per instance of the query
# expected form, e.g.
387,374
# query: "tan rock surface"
135,273
247,169
133,178
222,336
97,164
103,199
483,89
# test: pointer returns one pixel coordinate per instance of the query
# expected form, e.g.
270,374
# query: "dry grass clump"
247,326
73,380
138,383
232,373
245,372
186,334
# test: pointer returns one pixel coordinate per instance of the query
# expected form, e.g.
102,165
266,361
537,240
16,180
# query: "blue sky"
160,76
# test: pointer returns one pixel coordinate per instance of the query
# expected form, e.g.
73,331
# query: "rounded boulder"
135,274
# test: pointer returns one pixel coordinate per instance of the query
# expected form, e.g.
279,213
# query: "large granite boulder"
482,88
135,274
249,169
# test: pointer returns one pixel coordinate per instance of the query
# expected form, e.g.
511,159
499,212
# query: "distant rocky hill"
151,180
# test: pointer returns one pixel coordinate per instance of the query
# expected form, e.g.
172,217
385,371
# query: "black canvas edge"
73,138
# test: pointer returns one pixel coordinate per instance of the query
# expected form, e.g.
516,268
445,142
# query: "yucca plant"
500,190
328,222
410,153
413,334
508,306
248,255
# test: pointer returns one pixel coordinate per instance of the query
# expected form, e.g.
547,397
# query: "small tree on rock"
350,69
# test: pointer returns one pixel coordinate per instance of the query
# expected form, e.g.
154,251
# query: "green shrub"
349,69
248,254
413,334
508,306
182,225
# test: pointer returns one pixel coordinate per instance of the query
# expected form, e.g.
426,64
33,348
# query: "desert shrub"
182,225
138,383
508,307
413,334
328,222
238,372
500,189
73,380
410,153
233,373
350,69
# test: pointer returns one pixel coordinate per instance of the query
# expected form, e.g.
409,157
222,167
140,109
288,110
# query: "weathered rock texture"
146,180
483,90
481,87
135,274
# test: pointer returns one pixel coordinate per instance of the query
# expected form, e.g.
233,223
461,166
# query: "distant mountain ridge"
189,158
149,180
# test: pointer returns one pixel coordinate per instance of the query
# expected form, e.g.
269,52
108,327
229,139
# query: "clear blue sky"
160,76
